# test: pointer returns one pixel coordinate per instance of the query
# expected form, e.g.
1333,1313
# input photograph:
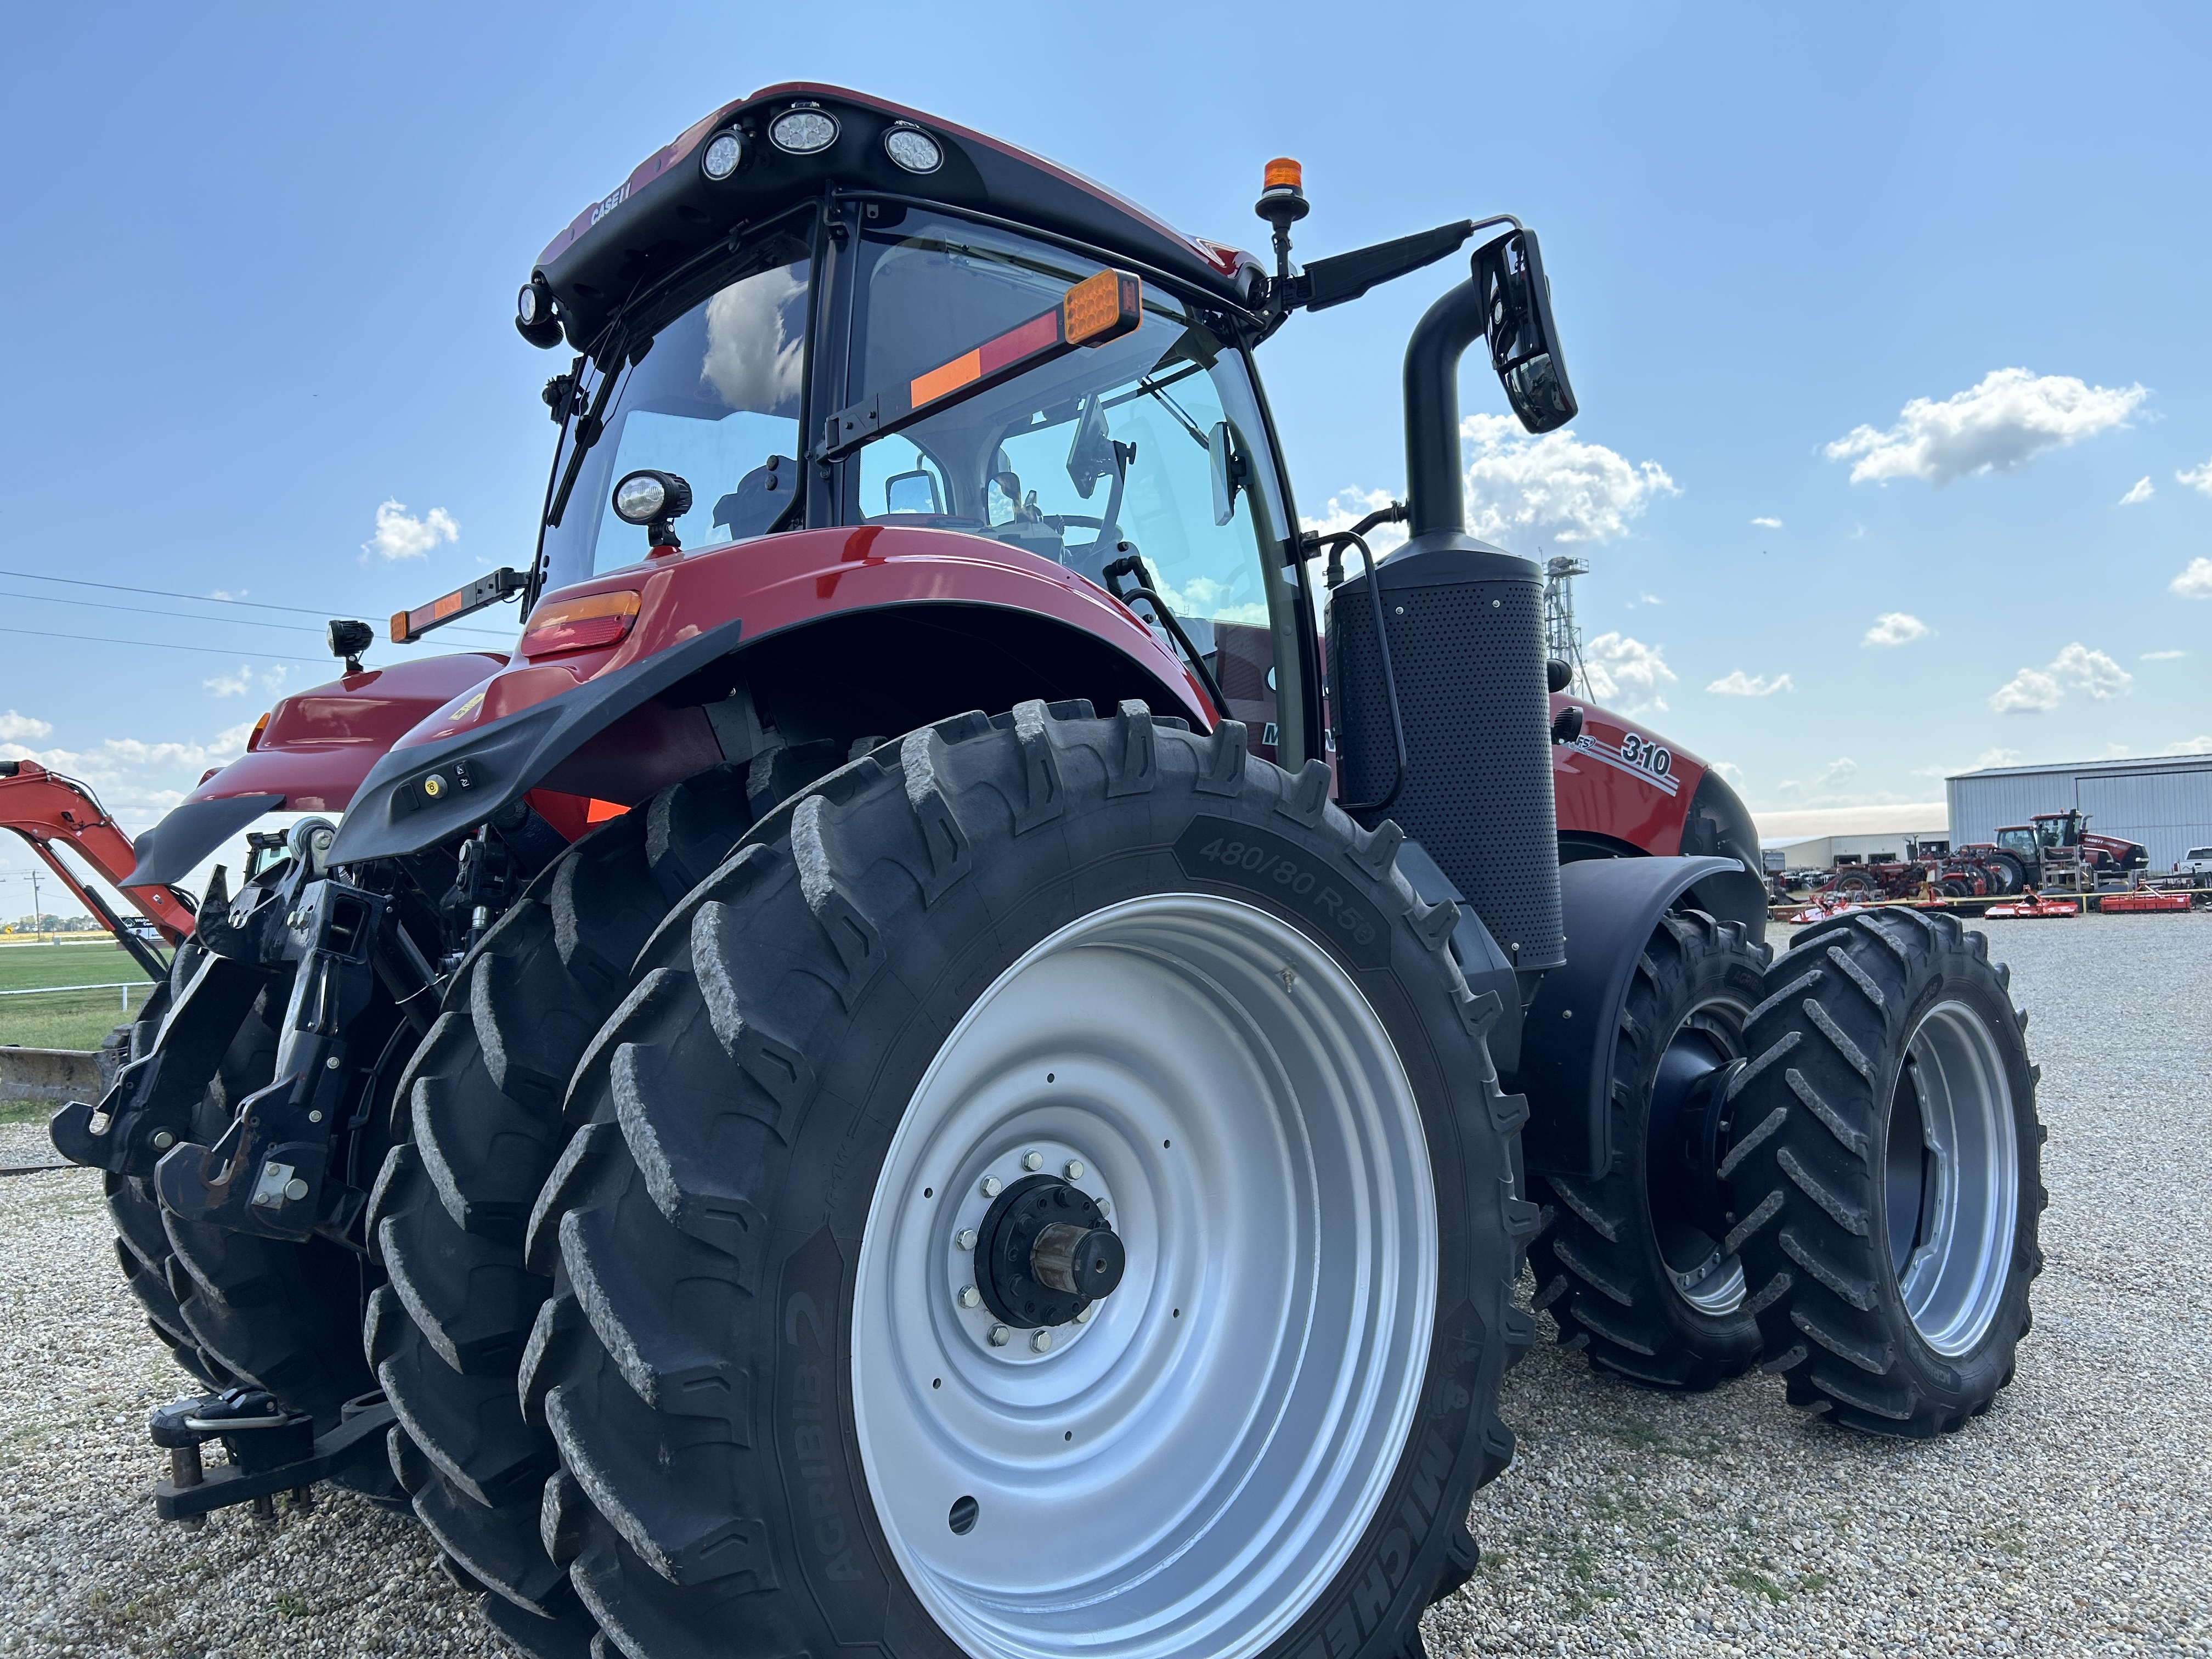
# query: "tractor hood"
309,756
668,211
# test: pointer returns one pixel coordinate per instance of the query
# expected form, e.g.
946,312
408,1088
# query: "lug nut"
965,1238
1074,1171
1040,1342
1000,1336
1032,1161
1083,1317
1105,1207
992,1186
970,1297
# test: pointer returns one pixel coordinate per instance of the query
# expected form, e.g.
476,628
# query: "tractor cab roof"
672,209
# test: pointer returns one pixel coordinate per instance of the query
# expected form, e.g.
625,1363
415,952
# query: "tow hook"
269,1449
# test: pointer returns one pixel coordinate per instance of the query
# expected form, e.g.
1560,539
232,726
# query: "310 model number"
1653,757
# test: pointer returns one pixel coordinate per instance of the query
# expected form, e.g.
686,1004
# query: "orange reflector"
1282,173
949,377
253,739
598,811
579,624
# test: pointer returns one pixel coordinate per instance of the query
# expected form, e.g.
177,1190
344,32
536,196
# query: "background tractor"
946,1057
2055,850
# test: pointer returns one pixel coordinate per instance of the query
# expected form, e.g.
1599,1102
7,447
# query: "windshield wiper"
1096,309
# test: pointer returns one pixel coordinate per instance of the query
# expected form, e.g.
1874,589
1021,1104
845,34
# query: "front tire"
1120,959
1888,1173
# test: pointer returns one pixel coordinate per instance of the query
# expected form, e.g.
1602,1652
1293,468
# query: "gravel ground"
2073,1518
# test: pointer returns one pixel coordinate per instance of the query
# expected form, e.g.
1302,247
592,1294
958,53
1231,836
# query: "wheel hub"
1045,1253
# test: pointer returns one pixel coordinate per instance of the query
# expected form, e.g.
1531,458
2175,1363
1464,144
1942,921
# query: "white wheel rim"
1185,1473
1952,1180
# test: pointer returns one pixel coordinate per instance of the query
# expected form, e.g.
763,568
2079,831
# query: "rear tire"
756,1233
1888,1173
2007,875
478,1126
1644,1292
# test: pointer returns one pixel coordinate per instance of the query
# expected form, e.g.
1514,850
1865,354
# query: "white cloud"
1737,683
2138,492
2161,656
1645,599
1835,772
1768,524
270,680
400,536
1728,770
1555,487
2010,416
2030,691
2196,582
753,358
2039,690
20,728
1896,627
2191,746
2198,478
2093,673
1625,668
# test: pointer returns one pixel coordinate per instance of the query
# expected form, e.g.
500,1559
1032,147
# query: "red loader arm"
44,808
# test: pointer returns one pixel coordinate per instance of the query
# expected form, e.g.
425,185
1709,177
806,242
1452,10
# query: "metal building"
2164,803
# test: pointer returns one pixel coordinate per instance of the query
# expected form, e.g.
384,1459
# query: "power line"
196,598
148,611
156,645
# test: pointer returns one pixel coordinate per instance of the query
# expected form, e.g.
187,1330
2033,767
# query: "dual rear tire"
768,1404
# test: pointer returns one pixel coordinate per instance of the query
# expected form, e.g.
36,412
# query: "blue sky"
260,265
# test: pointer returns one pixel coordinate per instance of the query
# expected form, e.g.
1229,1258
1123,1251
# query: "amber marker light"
1102,308
579,624
253,738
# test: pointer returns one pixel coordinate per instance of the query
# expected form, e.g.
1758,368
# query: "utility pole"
38,910
1562,639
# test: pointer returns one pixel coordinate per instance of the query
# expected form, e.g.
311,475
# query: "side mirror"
1517,308
1227,467
1090,455
912,492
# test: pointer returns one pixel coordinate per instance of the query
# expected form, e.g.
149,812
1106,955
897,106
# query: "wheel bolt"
1105,1207
1032,1161
1074,1170
1000,1336
1083,1317
1040,1342
992,1185
965,1238
970,1297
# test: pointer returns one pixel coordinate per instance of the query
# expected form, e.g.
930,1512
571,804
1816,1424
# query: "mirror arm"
1342,278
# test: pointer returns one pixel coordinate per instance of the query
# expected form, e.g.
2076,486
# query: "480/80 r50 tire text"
788,1418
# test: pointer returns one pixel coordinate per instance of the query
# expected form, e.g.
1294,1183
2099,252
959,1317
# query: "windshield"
1085,457
714,397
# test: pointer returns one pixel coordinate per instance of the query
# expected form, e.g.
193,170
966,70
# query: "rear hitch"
270,1450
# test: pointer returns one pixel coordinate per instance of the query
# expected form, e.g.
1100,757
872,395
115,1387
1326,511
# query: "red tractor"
2055,849
904,1072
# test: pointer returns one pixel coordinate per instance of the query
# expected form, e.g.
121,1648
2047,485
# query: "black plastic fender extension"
491,766
1610,907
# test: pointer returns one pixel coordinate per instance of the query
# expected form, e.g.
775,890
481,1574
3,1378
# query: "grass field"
65,1018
